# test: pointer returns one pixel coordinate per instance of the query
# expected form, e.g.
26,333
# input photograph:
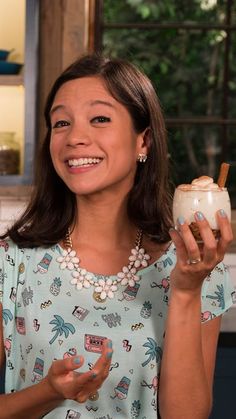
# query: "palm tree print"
7,315
60,328
219,296
154,352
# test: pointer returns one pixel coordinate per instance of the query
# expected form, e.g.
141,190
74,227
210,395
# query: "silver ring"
193,261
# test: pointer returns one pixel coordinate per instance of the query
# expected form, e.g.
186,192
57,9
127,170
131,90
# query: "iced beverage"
201,195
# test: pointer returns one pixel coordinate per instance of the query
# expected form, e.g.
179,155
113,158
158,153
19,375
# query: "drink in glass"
201,195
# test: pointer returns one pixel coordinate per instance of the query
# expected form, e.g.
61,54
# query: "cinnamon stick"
224,169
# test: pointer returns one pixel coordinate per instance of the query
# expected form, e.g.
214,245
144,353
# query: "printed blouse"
46,318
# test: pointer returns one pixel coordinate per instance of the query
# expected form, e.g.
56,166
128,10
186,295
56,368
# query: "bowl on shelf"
4,54
8,67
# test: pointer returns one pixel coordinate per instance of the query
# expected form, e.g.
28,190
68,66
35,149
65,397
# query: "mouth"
84,161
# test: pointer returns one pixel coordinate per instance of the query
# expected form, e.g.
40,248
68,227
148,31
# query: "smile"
86,161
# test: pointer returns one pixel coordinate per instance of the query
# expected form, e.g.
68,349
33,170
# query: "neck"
125,271
106,221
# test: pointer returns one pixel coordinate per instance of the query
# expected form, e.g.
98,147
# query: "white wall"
10,210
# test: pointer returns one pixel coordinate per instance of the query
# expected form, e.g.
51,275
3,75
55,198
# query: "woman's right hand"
70,384
195,262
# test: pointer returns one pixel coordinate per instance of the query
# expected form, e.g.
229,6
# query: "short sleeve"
3,250
8,272
217,293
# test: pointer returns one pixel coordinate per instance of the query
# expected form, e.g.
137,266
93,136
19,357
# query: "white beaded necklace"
81,278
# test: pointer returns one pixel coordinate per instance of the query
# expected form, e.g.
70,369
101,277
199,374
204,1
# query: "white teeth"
83,161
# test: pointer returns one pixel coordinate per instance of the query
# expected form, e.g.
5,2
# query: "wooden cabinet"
56,33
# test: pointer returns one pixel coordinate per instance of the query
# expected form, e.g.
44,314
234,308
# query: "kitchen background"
43,37
12,97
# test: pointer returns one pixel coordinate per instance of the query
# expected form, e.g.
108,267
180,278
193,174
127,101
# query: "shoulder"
217,291
161,264
7,246
12,255
158,250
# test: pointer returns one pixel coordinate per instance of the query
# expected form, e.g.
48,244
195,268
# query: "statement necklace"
103,288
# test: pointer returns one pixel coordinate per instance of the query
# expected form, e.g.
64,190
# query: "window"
188,49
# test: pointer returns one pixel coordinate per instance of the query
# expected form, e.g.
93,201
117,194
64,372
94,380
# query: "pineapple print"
55,287
146,310
135,410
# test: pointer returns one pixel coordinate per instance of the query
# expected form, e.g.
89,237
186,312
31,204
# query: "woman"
76,278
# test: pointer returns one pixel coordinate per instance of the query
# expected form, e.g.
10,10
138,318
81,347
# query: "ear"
144,141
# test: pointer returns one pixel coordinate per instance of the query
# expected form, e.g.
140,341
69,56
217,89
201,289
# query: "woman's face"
94,147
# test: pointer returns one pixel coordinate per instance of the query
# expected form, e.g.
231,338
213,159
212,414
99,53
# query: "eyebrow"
92,103
56,108
101,102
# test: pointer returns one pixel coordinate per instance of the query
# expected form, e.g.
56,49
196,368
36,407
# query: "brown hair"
52,208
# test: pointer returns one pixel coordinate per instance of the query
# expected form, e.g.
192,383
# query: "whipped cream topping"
202,183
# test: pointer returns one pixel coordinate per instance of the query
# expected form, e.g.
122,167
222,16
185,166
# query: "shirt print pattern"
46,318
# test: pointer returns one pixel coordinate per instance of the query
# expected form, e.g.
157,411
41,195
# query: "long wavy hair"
52,208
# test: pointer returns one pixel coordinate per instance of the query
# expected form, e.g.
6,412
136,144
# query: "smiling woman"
94,272
90,149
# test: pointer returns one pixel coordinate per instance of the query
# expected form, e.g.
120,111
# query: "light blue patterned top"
46,318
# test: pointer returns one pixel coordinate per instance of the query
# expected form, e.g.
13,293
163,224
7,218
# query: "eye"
60,124
100,119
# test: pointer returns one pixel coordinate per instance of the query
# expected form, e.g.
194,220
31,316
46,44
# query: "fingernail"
171,229
222,213
109,355
200,216
77,360
109,344
181,220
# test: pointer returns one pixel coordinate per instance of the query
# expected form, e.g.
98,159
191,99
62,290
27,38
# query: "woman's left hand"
195,262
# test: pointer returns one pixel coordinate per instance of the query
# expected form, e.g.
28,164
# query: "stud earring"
142,158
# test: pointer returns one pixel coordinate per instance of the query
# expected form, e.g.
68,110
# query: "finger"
179,245
102,366
100,370
226,233
87,383
189,242
63,366
107,347
85,378
82,398
210,244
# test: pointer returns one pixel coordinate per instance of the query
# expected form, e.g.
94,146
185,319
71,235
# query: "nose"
78,136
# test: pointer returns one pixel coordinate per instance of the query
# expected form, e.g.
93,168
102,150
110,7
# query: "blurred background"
188,49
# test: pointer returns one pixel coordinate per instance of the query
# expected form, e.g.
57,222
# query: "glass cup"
9,154
188,201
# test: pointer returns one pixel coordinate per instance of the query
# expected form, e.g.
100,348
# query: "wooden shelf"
11,80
